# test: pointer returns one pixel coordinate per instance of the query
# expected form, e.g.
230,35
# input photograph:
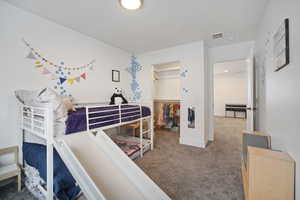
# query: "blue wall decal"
184,73
185,90
135,86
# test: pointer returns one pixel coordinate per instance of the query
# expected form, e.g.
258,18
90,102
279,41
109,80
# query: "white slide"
103,170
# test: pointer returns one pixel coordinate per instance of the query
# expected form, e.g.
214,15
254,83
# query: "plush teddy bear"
118,98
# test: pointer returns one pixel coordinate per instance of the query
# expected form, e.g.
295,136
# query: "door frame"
153,90
251,105
213,60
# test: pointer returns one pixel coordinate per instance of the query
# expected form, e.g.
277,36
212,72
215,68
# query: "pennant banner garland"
60,72
62,80
83,76
71,80
77,79
31,56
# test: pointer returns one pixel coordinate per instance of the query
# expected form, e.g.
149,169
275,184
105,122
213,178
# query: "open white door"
251,92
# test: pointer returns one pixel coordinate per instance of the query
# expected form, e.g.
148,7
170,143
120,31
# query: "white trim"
213,59
102,122
50,137
191,141
104,116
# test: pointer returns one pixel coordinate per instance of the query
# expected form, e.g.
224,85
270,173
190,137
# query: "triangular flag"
77,79
62,80
54,77
31,55
37,62
39,66
71,80
46,71
83,76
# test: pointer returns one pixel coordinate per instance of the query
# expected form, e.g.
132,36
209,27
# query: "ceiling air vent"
217,36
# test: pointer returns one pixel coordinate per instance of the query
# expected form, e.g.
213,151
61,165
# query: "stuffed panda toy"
118,98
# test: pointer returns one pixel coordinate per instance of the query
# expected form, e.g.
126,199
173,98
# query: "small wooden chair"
136,126
11,170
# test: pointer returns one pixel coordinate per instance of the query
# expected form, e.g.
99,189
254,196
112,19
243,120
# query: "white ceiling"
159,24
239,66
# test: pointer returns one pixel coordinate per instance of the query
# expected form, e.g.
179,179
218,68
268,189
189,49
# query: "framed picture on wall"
281,48
115,75
191,117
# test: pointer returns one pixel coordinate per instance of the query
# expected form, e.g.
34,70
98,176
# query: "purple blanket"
76,121
103,116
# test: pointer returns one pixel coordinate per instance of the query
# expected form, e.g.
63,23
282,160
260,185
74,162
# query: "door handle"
250,108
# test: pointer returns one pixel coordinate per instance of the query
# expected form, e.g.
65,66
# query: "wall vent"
217,36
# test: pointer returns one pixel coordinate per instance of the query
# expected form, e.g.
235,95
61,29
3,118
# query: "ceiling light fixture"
131,4
226,70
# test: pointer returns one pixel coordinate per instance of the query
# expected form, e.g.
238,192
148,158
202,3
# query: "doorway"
166,101
230,94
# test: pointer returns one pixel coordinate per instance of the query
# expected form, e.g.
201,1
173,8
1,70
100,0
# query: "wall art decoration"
60,74
191,117
133,70
115,76
184,73
281,48
185,90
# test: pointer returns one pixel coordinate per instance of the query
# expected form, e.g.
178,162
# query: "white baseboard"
193,140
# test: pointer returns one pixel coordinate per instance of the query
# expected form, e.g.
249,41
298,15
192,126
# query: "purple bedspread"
76,121
103,116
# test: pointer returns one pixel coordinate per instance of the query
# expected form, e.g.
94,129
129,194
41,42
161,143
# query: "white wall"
239,51
279,100
229,88
191,57
167,88
55,42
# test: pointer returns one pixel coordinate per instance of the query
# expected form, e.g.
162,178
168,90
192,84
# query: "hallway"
189,173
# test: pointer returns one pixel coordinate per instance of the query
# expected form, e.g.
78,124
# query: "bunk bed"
102,116
40,121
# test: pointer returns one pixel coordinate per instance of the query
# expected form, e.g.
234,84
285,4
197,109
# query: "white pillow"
27,97
43,98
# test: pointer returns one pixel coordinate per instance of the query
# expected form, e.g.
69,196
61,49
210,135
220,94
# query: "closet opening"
230,97
166,100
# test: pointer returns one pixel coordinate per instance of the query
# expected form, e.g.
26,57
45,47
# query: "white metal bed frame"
39,121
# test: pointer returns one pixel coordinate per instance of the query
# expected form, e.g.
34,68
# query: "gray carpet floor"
9,192
188,173
185,172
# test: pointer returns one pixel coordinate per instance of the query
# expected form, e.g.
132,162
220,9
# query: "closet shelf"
166,100
167,69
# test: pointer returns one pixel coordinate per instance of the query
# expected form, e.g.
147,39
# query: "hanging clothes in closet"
169,116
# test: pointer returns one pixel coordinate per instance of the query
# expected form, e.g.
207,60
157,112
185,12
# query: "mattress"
131,145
